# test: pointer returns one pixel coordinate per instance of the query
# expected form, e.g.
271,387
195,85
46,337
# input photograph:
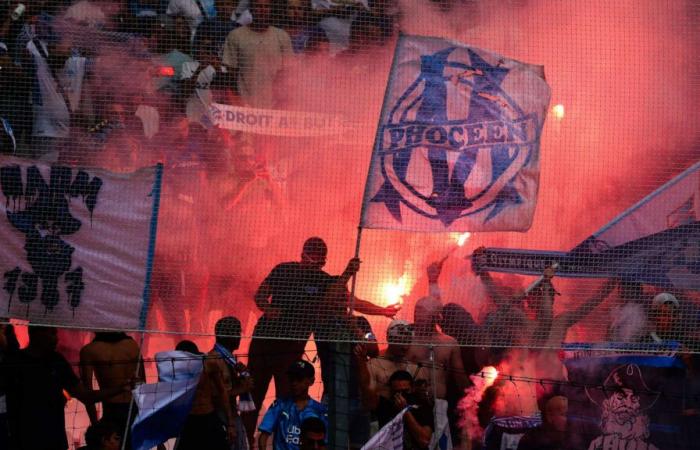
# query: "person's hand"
400,401
231,432
392,310
360,351
479,260
549,272
272,312
352,267
434,270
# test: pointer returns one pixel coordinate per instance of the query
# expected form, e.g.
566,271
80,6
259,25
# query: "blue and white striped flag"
457,147
163,407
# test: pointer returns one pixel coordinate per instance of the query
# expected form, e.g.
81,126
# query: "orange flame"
490,374
461,238
393,292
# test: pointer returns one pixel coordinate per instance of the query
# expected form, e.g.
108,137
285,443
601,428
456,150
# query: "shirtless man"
203,428
447,357
112,357
399,336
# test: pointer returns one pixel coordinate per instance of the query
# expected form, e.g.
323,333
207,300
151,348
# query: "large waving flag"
656,241
457,146
163,407
76,245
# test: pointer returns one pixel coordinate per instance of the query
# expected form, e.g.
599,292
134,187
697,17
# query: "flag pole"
372,163
157,184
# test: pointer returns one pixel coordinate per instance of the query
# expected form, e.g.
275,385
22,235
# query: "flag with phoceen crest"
457,146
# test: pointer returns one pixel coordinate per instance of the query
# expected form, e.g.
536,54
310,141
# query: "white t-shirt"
51,115
259,58
86,12
192,10
199,102
337,28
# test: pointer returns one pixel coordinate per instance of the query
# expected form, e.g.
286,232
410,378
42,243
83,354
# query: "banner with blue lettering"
76,244
630,402
457,146
656,241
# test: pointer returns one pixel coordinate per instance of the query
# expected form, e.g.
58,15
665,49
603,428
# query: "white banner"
457,147
75,243
276,122
390,437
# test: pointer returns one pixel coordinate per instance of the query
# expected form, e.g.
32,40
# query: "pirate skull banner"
458,141
638,402
74,244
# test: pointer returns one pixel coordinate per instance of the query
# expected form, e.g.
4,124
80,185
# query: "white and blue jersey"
283,420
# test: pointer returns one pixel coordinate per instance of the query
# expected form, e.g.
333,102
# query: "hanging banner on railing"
276,122
76,245
630,402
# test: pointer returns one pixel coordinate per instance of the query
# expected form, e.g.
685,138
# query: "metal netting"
265,136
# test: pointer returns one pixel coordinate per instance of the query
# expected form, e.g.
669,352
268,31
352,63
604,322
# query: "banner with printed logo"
457,147
76,244
630,401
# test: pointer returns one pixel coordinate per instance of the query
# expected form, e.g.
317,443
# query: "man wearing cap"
290,298
283,420
399,336
663,319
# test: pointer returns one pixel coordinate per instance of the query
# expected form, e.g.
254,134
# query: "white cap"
665,298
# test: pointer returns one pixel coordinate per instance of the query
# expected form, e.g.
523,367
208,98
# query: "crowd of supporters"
77,76
426,365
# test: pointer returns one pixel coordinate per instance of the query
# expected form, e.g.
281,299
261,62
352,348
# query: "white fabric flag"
163,407
457,147
76,244
442,438
390,437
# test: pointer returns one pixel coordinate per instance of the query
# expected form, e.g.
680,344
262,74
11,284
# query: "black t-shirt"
423,414
35,400
297,291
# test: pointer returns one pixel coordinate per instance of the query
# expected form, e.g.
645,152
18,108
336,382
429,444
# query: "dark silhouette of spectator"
236,380
37,376
103,435
285,297
8,345
204,428
113,359
313,434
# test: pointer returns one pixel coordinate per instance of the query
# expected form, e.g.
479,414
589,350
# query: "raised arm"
370,309
368,393
569,318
